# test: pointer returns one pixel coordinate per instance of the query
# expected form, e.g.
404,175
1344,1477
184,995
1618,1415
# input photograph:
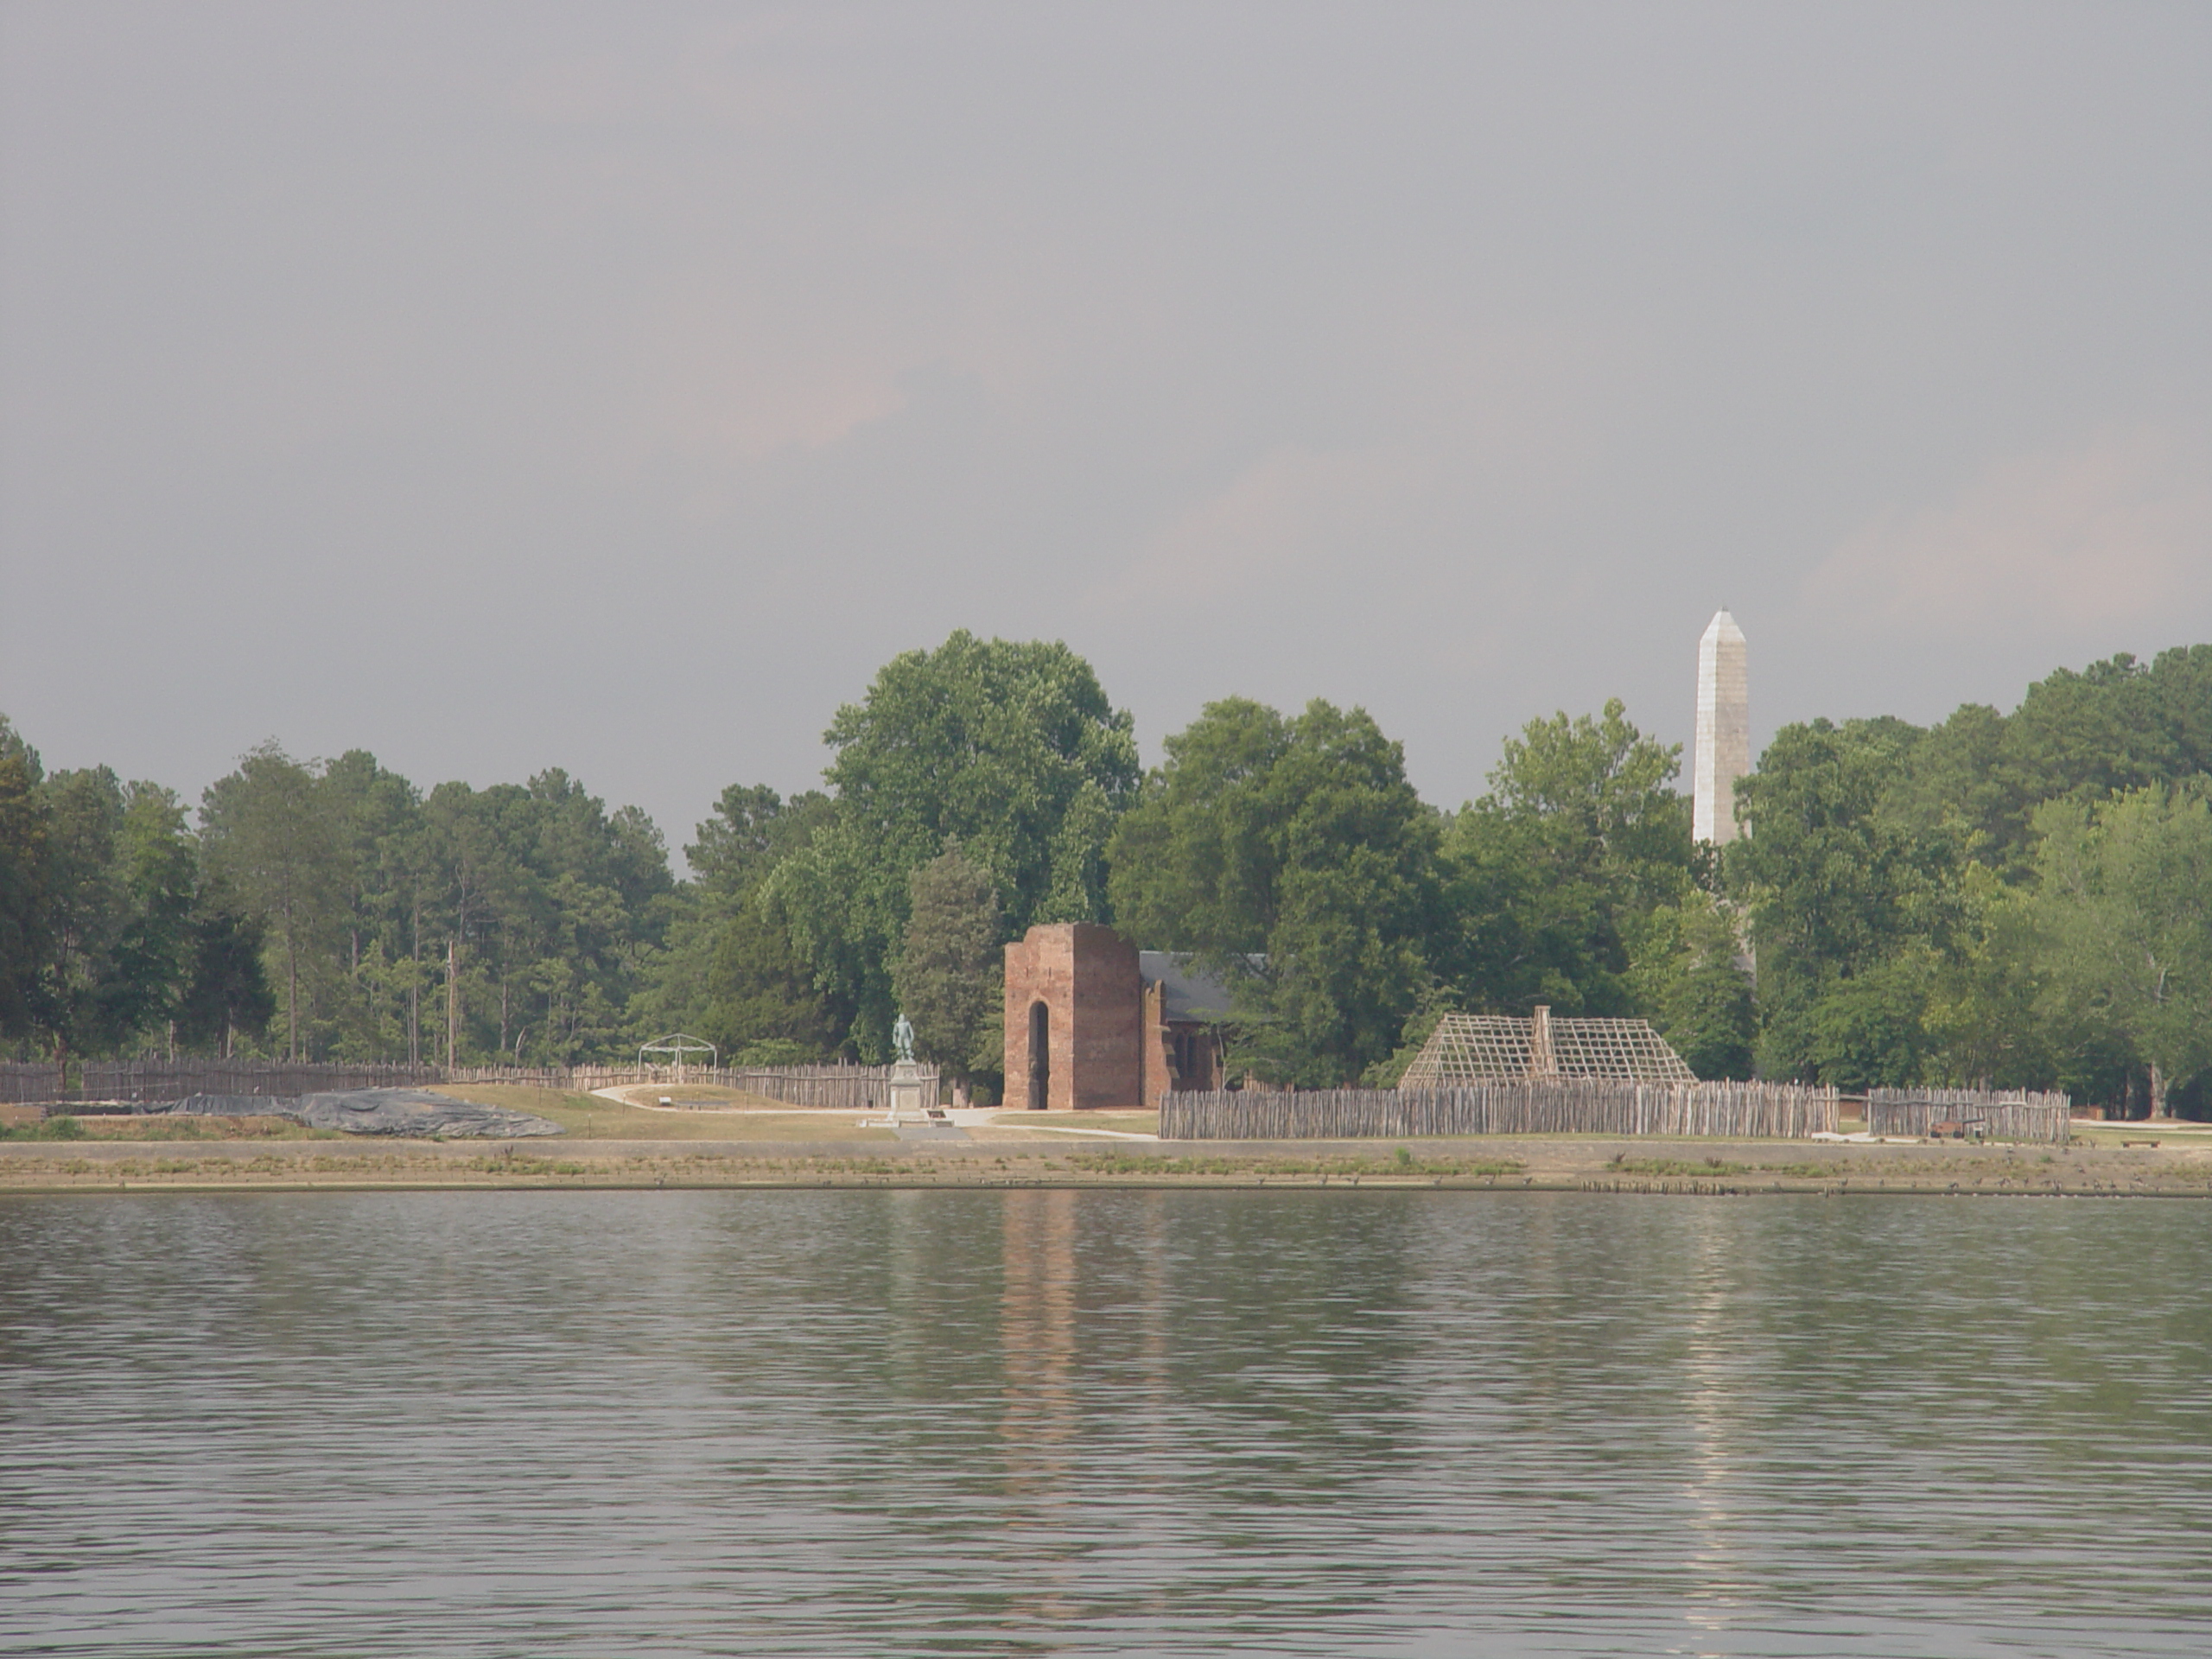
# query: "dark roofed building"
1184,1011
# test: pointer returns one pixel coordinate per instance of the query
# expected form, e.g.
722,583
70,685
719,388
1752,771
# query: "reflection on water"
1037,1326
1092,1422
1714,1587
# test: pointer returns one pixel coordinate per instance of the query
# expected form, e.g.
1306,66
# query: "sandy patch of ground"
1099,1126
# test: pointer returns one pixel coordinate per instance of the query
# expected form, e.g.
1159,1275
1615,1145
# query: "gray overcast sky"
616,386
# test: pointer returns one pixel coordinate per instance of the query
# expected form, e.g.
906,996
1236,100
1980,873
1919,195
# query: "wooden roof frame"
1497,1048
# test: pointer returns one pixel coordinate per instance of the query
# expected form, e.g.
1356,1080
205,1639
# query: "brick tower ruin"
1093,1023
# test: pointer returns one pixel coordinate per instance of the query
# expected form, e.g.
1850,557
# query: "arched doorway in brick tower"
1040,1057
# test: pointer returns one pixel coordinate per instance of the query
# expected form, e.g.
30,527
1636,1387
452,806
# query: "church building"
1093,1023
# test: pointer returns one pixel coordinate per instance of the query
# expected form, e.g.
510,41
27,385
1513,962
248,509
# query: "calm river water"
1103,1422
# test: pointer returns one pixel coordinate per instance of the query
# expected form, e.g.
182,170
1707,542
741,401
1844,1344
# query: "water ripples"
1103,1423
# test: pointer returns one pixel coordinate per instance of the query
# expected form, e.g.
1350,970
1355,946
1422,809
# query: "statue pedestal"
909,1084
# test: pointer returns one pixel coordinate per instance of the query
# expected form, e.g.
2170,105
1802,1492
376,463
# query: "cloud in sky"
2118,531
1269,527
499,385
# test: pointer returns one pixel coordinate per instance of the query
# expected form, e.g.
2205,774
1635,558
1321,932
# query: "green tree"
1010,748
1870,1028
106,926
272,839
1989,1013
1581,833
1845,902
225,993
2125,905
731,973
1199,863
763,1005
950,977
554,910
752,830
151,957
2115,726
116,923
85,905
120,876
1292,854
24,936
1688,977
372,1005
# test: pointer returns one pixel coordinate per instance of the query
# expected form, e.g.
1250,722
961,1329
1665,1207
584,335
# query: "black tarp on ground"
420,1112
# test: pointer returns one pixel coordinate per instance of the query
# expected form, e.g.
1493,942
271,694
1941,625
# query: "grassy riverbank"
1546,1164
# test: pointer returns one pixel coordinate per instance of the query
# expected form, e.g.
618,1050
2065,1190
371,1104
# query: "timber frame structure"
1495,1048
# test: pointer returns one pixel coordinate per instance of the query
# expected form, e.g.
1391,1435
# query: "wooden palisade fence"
844,1088
2012,1115
140,1081
1567,1106
32,1083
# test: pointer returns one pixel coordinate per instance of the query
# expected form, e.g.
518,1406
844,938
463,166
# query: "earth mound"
418,1112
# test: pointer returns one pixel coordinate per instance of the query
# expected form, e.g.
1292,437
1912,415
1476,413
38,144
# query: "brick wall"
1085,977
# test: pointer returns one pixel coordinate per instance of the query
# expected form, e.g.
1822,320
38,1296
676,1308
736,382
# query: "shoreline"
1649,1166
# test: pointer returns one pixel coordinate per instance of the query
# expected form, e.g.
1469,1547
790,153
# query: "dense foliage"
951,977
1292,854
316,912
2021,899
2018,900
1012,750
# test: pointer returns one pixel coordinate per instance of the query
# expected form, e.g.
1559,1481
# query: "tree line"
327,910
2013,900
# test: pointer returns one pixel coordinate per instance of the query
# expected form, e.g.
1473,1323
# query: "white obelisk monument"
1724,730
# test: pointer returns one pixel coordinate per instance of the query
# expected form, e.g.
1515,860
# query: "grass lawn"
588,1117
123,1126
696,1094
